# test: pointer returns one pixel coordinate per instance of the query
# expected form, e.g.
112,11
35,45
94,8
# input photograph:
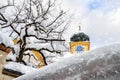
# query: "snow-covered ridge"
99,64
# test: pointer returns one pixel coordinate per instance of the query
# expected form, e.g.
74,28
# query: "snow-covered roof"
99,64
19,67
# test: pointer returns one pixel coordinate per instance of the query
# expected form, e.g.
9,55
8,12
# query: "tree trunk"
20,57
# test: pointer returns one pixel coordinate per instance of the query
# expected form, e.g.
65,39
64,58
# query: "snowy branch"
36,19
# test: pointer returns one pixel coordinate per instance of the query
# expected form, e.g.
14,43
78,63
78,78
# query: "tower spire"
79,27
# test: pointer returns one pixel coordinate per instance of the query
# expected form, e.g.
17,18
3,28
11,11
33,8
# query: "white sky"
100,19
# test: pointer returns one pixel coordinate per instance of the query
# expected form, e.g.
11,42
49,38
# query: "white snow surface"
99,64
5,39
57,45
19,67
11,56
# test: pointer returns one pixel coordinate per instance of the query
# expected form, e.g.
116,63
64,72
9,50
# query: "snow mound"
99,64
19,67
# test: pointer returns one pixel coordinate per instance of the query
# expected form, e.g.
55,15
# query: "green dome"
80,37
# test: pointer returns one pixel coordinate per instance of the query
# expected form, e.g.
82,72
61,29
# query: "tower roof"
80,37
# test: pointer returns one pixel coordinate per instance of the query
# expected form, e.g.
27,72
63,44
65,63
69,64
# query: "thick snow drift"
99,64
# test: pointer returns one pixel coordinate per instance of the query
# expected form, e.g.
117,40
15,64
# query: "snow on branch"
36,20
44,38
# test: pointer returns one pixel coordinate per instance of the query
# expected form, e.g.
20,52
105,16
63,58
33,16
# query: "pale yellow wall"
3,57
2,62
0,71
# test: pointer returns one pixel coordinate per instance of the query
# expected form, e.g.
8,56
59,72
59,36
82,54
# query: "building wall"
2,62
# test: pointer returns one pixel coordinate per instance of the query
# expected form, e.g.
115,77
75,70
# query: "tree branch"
5,6
44,38
61,13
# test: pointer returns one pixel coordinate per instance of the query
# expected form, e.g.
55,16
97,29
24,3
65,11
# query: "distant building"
80,42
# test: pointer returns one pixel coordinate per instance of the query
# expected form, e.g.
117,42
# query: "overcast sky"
100,19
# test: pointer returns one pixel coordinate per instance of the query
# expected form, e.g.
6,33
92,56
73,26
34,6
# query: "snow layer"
6,40
11,56
19,67
99,64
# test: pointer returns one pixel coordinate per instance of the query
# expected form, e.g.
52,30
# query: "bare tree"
41,20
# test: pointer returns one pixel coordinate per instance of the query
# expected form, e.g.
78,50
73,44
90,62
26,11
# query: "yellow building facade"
79,43
78,47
